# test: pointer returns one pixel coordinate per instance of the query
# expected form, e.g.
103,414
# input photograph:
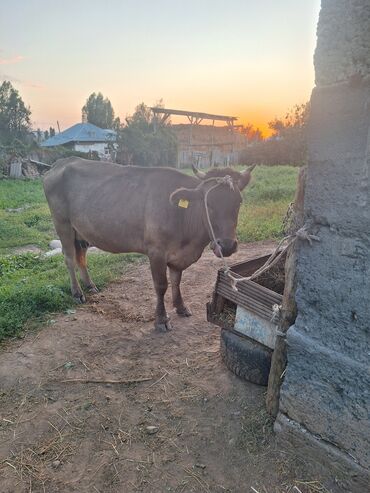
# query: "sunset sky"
234,57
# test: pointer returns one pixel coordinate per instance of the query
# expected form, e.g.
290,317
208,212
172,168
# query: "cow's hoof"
79,298
92,289
163,326
183,312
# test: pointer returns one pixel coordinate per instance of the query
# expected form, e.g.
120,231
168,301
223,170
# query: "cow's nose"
229,246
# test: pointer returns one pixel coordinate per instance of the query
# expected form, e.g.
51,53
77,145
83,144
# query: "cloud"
24,83
11,61
9,78
33,85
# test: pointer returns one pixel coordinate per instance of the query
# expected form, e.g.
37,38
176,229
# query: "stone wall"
325,399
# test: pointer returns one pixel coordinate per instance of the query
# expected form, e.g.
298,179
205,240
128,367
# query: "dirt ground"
191,427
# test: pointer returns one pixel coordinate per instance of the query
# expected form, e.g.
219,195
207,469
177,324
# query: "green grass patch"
18,193
31,224
261,222
271,184
32,286
265,202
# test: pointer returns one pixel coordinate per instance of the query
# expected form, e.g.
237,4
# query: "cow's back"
117,208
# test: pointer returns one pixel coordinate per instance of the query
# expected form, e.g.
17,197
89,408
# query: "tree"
99,111
14,115
252,134
294,121
51,131
292,133
288,143
146,140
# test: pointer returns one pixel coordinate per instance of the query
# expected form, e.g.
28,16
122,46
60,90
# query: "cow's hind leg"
178,302
81,247
159,273
67,237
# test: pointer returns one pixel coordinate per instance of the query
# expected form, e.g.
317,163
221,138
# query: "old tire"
246,358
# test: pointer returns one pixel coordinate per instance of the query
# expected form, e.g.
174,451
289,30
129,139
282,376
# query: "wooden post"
154,122
15,169
289,308
212,143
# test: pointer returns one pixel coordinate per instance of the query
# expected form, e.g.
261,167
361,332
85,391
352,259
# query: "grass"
32,286
32,225
265,202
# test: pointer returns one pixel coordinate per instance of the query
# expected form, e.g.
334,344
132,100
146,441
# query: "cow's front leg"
159,267
178,302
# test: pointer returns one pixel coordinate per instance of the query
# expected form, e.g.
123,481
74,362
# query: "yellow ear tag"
183,203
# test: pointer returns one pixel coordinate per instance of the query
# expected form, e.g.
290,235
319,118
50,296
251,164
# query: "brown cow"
159,212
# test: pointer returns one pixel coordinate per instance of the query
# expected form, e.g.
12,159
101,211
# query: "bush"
145,141
288,144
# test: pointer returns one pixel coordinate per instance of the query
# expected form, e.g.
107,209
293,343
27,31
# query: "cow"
159,212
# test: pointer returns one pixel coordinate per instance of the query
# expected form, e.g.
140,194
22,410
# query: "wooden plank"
40,163
195,114
243,297
247,302
249,267
252,289
15,169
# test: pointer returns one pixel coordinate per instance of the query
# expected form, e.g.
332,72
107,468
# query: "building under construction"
204,145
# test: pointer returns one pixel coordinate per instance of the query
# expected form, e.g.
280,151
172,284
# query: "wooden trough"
248,317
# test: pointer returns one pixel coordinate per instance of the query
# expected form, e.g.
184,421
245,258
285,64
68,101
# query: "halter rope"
302,234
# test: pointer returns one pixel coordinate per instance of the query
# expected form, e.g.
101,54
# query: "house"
87,138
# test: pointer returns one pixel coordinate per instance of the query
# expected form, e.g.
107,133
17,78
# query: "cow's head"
223,204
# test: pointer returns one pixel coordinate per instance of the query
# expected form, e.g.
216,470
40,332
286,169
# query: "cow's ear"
245,177
182,197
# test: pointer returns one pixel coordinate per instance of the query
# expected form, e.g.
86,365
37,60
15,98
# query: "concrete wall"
325,398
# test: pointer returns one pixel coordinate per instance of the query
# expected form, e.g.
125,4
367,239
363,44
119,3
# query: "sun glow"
237,58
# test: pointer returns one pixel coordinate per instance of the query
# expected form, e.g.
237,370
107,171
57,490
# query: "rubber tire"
246,358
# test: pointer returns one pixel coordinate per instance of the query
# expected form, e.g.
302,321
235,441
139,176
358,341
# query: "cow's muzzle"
226,246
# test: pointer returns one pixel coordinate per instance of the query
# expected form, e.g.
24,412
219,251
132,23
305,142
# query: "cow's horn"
199,174
245,177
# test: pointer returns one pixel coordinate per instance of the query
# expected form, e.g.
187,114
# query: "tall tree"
288,143
99,111
14,115
294,122
291,132
252,134
147,141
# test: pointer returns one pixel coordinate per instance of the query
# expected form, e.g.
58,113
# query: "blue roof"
81,132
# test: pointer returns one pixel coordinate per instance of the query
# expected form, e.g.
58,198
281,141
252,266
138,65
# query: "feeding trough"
248,317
